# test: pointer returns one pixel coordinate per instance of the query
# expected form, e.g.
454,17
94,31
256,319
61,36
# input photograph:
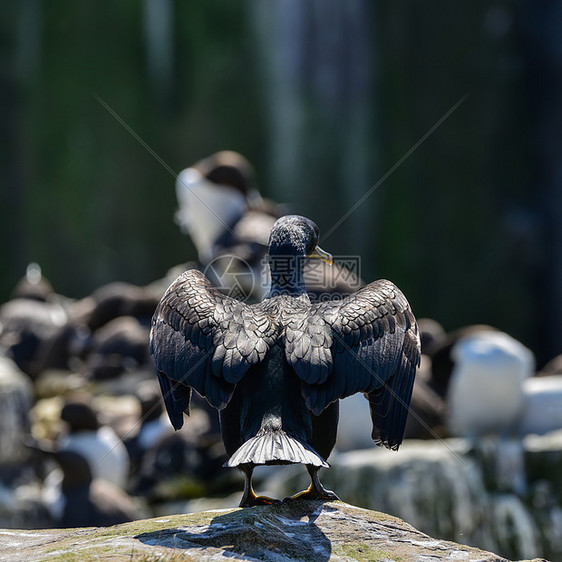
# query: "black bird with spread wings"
277,369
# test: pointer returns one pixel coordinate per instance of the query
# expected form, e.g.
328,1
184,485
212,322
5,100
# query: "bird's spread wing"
369,343
204,340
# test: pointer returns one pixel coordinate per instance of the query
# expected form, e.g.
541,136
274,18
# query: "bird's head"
296,236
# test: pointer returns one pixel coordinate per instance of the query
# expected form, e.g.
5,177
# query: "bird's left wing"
204,340
369,343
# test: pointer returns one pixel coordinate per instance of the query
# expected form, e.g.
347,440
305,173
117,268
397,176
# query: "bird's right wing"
204,340
369,343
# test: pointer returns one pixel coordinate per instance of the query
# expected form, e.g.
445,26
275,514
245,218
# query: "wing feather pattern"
368,343
204,340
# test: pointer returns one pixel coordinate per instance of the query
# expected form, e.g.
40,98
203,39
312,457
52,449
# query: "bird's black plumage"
276,369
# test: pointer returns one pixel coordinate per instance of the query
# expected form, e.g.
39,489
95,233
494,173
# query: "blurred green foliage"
455,225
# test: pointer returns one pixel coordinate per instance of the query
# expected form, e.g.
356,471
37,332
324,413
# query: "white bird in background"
97,443
213,196
228,222
485,398
485,394
206,209
542,412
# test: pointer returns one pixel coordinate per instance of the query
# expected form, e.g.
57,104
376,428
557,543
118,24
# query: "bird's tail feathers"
275,447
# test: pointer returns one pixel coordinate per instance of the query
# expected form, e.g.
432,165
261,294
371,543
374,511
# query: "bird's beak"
322,255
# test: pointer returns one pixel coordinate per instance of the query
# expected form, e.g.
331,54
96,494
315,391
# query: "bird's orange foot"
314,494
254,500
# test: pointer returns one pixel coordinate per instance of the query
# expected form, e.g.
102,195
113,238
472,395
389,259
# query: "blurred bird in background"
229,222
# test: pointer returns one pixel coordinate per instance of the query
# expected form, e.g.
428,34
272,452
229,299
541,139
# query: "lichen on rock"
298,530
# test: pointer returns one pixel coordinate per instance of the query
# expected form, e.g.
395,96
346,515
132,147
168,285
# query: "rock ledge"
300,530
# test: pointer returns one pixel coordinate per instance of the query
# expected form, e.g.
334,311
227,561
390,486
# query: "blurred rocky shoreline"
77,382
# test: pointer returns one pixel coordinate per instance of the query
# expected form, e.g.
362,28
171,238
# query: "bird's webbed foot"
249,497
314,494
253,500
315,491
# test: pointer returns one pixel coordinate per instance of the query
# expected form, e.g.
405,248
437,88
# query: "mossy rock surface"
300,530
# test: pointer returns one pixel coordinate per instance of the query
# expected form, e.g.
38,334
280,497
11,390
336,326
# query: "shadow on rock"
260,532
